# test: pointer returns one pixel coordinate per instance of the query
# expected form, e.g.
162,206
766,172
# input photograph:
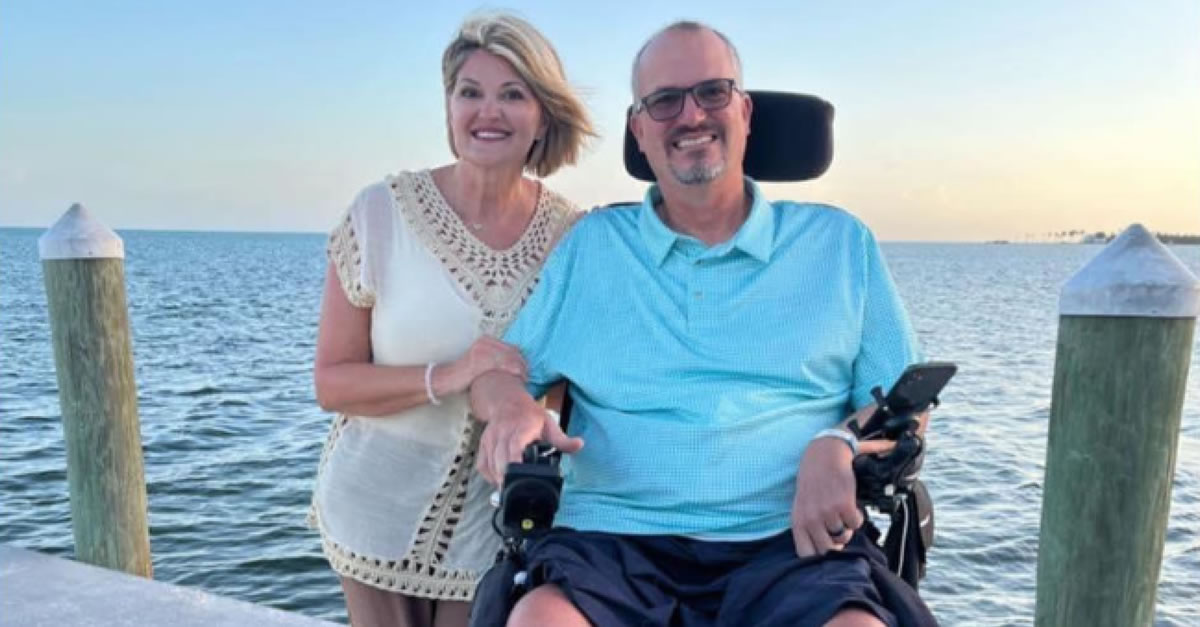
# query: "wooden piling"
1124,346
83,266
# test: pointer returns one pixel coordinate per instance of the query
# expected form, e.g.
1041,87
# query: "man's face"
697,146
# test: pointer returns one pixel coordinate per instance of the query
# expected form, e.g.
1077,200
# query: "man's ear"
635,126
748,109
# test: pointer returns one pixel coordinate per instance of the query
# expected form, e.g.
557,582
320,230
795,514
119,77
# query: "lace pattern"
421,572
344,253
335,432
498,281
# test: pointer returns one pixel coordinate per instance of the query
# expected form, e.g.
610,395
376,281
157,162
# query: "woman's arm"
346,381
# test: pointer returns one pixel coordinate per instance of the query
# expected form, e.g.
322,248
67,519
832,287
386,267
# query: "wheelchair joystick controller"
531,491
525,510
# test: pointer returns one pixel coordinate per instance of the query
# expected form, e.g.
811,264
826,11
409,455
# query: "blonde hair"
535,61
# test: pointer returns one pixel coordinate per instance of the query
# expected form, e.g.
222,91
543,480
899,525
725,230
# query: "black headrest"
791,139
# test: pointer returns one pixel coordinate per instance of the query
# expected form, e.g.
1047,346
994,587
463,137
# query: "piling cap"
1135,275
77,235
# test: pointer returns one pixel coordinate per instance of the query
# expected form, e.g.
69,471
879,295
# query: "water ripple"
223,333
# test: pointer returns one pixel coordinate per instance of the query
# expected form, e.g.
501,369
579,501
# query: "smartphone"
915,390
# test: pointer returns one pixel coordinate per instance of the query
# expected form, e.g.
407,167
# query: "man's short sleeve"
889,343
538,323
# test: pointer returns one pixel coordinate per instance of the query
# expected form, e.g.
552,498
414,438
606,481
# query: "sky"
956,121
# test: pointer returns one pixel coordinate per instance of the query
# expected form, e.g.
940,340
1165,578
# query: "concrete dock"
37,589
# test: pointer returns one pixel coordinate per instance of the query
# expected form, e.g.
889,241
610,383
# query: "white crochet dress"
397,500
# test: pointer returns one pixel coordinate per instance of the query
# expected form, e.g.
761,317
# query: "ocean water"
224,327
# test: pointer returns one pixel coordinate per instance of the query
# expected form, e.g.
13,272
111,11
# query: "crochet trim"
335,431
344,254
498,281
420,573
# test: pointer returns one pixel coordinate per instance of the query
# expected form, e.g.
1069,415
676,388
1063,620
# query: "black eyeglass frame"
682,92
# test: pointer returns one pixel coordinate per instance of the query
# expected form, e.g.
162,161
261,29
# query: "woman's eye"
513,94
468,92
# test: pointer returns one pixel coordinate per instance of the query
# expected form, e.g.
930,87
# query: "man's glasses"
710,95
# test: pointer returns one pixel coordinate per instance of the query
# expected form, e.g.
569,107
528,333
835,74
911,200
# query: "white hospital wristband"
842,435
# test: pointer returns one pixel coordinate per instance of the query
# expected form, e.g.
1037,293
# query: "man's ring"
834,533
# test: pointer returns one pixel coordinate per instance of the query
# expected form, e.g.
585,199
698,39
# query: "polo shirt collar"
756,236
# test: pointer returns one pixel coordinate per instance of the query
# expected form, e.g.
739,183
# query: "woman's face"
493,115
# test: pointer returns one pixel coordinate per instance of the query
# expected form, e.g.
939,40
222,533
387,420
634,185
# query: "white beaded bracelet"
433,400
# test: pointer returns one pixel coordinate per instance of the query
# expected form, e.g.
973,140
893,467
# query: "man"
715,344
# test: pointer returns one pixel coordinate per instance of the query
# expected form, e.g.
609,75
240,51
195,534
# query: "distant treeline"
1100,237
1177,238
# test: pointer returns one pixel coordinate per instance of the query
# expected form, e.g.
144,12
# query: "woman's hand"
485,355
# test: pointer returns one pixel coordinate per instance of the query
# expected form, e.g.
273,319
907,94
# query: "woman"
425,271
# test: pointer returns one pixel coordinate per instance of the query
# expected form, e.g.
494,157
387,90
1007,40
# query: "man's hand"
824,511
825,490
514,421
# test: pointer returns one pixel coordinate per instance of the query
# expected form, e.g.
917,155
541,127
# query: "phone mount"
887,422
883,479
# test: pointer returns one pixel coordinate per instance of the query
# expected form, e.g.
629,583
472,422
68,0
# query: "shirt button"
698,294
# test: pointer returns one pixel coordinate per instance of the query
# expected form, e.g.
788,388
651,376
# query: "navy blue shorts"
680,582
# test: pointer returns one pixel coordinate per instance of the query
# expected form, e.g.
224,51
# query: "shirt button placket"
697,296
689,296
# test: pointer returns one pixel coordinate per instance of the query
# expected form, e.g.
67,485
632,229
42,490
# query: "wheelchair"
790,140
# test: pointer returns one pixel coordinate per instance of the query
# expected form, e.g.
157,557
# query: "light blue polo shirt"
700,373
